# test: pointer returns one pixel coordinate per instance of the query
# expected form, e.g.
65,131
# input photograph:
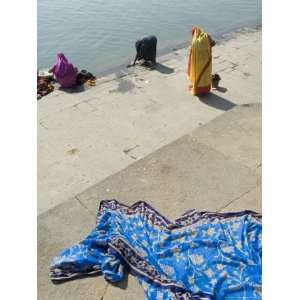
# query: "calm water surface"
100,34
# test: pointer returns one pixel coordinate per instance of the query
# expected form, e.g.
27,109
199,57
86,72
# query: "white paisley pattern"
200,256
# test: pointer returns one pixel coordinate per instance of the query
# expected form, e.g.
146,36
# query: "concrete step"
84,137
216,167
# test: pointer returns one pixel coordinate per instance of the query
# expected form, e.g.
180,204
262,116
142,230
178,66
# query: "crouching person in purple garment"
64,71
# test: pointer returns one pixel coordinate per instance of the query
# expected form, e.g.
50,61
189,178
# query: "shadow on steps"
216,101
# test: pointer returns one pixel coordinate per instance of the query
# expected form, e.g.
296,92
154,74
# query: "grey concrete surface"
249,201
237,134
195,171
61,227
84,137
184,174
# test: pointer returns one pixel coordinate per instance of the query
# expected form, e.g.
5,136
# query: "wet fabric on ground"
200,255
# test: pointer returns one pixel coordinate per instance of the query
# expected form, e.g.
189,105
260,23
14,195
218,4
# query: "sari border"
65,276
140,266
200,90
156,218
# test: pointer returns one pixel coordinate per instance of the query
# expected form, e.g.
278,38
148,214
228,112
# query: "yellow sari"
200,62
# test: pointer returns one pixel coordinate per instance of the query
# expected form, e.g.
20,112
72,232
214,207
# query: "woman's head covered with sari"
196,30
62,65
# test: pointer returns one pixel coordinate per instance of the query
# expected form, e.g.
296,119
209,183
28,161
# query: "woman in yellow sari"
200,62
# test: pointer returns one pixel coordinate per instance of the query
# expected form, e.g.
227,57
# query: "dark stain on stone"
124,86
165,169
247,74
234,65
73,151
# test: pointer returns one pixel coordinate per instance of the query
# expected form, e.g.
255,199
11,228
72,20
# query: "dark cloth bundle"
44,85
83,76
146,49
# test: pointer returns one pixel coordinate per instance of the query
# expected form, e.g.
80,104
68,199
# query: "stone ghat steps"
216,167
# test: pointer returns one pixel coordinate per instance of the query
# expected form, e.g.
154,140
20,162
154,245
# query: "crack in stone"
126,151
133,157
105,291
84,206
236,199
41,123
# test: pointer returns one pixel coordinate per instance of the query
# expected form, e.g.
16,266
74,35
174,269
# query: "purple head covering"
64,71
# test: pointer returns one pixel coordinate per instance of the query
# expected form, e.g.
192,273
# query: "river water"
98,35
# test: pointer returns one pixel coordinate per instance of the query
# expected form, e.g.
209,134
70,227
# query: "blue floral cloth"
201,255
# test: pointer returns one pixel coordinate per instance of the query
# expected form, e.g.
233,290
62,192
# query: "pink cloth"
64,72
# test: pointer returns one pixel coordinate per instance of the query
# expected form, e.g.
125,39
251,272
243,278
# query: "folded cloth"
201,255
44,87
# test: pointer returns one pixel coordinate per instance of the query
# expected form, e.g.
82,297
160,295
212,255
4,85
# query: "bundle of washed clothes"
46,81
